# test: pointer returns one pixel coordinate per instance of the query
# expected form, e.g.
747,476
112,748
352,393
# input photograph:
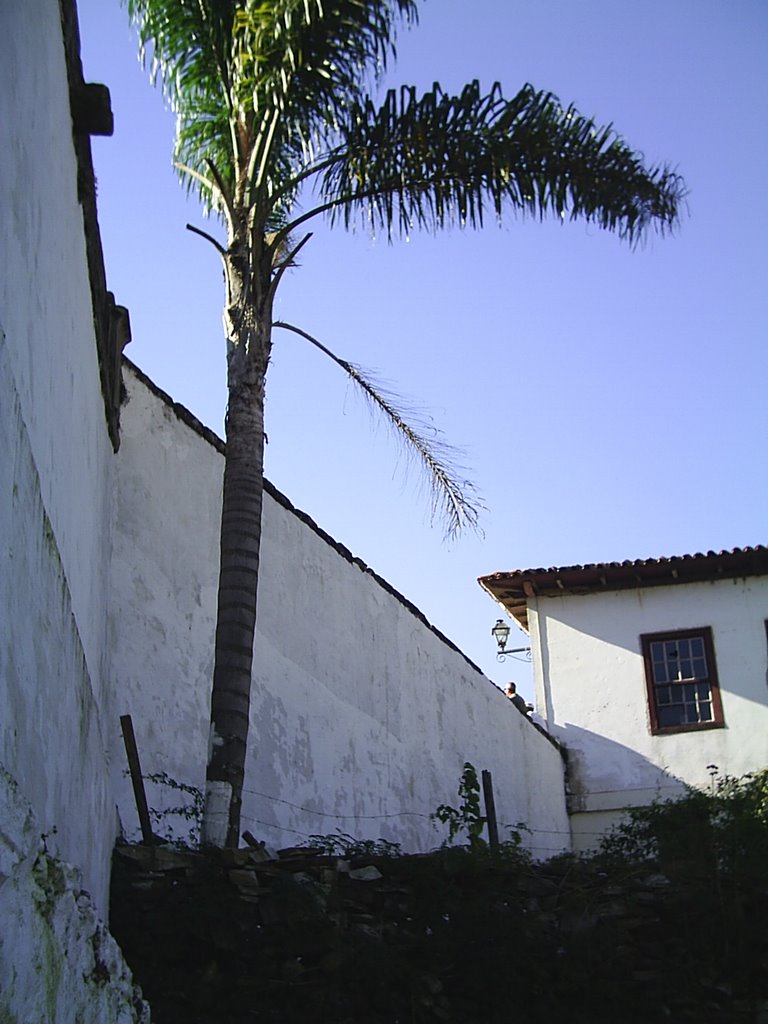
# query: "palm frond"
298,65
435,160
312,56
454,499
256,84
187,46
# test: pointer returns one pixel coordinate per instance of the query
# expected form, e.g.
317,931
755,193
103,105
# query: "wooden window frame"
705,632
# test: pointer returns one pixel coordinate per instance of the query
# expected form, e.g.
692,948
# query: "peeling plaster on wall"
46,309
366,738
57,962
162,646
51,730
73,971
55,471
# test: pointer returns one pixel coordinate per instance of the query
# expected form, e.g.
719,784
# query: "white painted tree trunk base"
216,814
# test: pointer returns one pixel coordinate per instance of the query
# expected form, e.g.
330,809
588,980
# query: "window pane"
659,663
699,668
672,715
678,673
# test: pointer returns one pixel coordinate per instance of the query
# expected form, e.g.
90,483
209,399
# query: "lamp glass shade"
500,633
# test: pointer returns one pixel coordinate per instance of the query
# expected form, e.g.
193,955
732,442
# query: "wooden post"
126,724
490,810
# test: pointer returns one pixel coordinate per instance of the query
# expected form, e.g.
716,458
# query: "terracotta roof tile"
513,589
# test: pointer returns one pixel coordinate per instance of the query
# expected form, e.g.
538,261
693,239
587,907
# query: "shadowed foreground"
230,937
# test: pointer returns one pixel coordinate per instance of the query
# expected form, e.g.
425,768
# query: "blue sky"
611,402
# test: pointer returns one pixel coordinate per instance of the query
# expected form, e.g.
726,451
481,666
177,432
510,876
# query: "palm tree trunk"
248,350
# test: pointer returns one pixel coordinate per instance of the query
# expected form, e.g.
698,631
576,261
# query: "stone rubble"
231,936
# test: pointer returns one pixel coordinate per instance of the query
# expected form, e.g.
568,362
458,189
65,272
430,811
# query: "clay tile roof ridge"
631,563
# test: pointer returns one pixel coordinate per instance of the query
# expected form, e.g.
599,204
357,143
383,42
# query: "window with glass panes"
681,678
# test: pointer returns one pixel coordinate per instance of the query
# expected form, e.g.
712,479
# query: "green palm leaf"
431,161
257,84
187,45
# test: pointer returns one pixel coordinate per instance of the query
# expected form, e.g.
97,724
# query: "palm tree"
276,101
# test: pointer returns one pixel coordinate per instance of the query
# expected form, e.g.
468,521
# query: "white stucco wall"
361,725
55,461
591,686
58,962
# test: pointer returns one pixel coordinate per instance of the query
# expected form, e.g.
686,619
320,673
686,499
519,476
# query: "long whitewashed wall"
58,963
55,461
361,718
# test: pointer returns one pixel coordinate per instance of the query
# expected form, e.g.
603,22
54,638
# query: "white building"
649,672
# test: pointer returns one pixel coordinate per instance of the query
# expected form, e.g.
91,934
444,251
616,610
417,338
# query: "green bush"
716,834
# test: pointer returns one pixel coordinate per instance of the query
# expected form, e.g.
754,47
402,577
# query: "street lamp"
500,634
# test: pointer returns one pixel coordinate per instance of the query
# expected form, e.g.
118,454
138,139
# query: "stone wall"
445,937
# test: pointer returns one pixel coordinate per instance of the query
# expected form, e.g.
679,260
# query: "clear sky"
611,402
